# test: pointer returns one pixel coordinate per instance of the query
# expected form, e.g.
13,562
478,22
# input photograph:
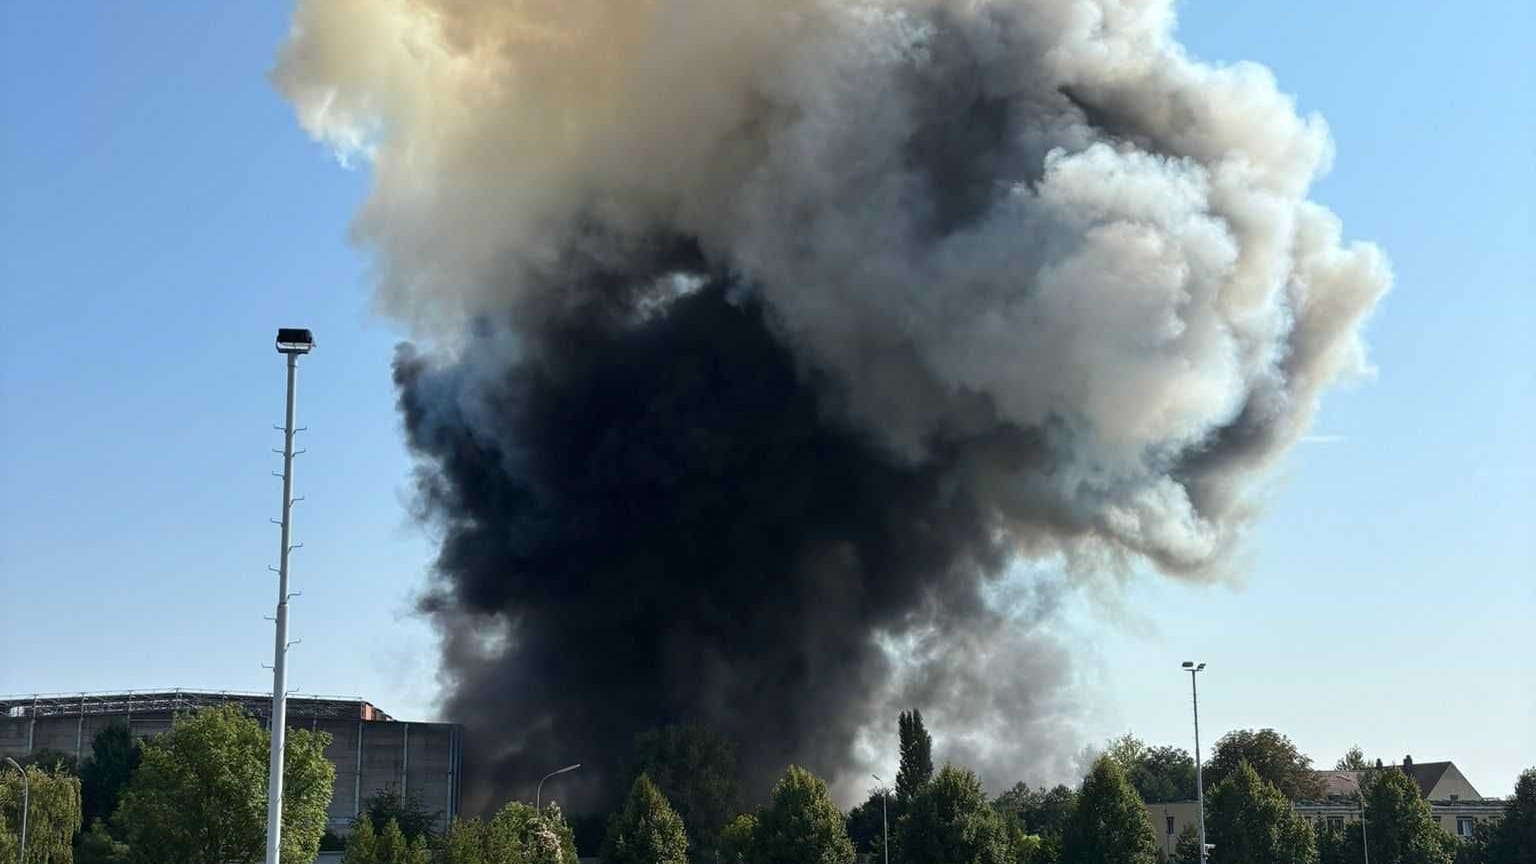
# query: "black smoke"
672,524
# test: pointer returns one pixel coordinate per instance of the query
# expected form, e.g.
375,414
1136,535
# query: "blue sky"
161,214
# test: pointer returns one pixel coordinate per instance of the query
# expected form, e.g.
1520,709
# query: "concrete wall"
420,759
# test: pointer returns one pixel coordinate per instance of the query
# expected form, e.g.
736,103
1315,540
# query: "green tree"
695,770
50,760
199,794
867,822
362,844
1399,826
916,757
1109,824
105,774
1248,820
1513,840
1339,844
414,819
519,834
1270,754
800,825
648,831
1158,773
736,839
463,843
1186,847
949,821
1043,813
97,846
1352,760
53,814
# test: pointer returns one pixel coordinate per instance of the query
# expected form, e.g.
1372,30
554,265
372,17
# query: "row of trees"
194,794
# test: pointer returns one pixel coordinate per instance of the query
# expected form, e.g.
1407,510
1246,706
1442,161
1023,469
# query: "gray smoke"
772,339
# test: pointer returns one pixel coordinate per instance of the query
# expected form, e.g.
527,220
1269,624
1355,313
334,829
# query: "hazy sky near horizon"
161,213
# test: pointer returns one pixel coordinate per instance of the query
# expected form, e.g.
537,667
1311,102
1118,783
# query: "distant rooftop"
178,700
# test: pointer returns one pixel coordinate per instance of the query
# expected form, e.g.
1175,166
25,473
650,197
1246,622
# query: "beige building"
1454,802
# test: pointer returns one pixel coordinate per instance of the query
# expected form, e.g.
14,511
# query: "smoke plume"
764,344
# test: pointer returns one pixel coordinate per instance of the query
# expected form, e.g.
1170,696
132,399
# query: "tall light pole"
885,822
26,800
292,342
1194,669
539,791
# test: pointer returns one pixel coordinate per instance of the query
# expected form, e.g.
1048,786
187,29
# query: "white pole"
1194,691
280,648
26,800
539,790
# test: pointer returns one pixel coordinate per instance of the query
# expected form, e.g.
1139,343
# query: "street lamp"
885,824
290,342
537,792
1194,669
26,796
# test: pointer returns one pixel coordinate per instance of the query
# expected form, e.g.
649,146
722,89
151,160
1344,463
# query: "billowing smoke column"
770,340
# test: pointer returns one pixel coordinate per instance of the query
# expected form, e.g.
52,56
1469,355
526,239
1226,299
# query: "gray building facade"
371,751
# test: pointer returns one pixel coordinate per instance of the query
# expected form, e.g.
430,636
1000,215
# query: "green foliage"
199,793
1158,773
362,844
1513,841
1339,844
1399,826
53,813
49,760
1110,824
916,757
649,831
98,846
105,774
1249,820
949,821
407,811
1186,847
1042,813
519,834
695,770
1270,754
800,825
736,839
867,823
463,843
1475,849
1353,760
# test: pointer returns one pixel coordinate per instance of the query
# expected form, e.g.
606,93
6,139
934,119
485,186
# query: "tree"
97,846
1110,823
1272,756
1339,844
649,831
407,811
1248,820
1158,773
362,844
522,835
1513,841
1186,847
736,839
50,760
695,770
916,757
199,794
53,814
387,846
949,822
800,825
1353,760
463,843
1043,813
867,823
1399,826
105,773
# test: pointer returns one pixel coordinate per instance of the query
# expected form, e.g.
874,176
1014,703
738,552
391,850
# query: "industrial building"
372,751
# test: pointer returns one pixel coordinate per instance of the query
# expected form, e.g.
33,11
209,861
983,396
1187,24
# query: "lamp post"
1194,669
291,341
885,823
26,800
539,790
